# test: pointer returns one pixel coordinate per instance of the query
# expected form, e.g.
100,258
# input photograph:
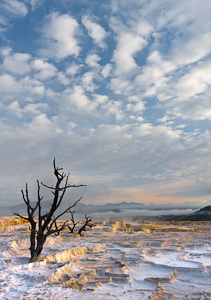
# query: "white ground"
110,263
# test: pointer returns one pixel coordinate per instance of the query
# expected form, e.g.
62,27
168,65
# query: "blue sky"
118,91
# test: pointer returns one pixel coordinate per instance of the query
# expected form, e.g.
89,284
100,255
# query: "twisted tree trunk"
47,223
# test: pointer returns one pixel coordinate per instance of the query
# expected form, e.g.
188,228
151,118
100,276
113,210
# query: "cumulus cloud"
106,70
193,49
193,42
160,130
92,60
120,85
44,70
12,88
33,108
101,99
18,63
130,113
14,7
73,69
8,84
88,81
3,24
195,82
128,45
63,78
136,105
188,95
154,75
196,109
78,99
32,86
15,107
35,3
96,31
114,108
144,155
60,32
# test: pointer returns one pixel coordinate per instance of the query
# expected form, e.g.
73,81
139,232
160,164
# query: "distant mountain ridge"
203,214
113,207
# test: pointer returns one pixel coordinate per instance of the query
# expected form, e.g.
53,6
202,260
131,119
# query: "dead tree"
88,222
74,224
47,222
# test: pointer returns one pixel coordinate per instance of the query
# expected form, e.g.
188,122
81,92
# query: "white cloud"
164,119
88,81
128,45
32,86
96,32
35,3
136,107
14,7
5,51
73,69
92,60
139,104
148,129
114,108
17,63
15,108
121,85
192,49
40,124
8,84
126,153
63,79
198,108
127,117
60,33
140,119
33,108
154,75
194,82
79,100
3,22
183,25
188,95
106,70
11,88
144,28
101,99
44,69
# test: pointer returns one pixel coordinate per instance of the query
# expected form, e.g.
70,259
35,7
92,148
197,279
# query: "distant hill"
203,214
111,207
80,208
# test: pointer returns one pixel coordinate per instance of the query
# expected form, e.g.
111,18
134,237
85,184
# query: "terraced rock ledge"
114,260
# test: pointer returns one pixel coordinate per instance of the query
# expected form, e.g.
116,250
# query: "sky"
118,91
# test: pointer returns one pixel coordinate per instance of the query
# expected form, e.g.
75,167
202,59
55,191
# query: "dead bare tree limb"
88,222
74,224
47,223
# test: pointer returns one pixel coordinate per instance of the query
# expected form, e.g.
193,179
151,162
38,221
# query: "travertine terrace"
114,260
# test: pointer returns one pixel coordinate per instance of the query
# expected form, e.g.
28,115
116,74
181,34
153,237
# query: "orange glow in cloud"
145,197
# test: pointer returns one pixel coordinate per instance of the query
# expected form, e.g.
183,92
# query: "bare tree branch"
73,222
63,188
47,223
25,218
88,221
